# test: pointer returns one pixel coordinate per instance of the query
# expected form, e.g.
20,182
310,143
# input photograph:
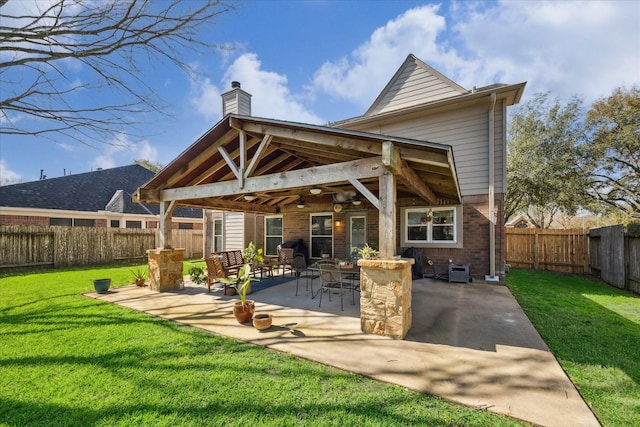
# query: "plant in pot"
139,276
198,275
243,310
368,252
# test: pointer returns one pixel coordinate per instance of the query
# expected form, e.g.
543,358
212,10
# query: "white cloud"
567,48
7,176
120,150
206,98
373,63
270,96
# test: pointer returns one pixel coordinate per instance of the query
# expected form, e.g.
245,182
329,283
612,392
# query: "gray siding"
233,224
467,131
414,86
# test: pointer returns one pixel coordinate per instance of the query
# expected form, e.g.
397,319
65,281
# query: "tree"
543,176
152,166
611,155
113,39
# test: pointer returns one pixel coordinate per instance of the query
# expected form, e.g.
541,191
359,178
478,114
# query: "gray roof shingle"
106,189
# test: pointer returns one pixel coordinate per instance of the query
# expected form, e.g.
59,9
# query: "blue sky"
322,61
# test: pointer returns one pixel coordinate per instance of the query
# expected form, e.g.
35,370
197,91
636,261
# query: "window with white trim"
321,235
272,234
217,235
430,225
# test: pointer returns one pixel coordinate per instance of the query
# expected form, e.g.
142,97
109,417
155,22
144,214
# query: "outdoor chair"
331,280
285,260
215,271
302,271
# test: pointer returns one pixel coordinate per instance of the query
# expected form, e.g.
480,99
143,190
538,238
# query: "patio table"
348,271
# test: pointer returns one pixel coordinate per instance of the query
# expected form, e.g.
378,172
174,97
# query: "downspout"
492,173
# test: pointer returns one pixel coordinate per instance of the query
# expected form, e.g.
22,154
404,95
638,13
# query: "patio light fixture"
300,203
249,197
315,190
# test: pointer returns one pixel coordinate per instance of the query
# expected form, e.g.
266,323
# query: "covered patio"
460,347
273,167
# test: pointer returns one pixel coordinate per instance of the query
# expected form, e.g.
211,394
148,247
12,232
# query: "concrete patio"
469,343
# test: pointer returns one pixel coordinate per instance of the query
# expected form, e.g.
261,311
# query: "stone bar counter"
385,296
165,269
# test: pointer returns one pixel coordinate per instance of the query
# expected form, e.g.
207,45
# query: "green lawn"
66,359
593,329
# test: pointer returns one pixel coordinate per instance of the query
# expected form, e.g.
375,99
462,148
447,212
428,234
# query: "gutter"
492,170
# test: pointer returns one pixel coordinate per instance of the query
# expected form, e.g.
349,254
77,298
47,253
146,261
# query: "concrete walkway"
469,343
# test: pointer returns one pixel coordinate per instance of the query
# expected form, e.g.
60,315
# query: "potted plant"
102,285
139,276
243,310
198,276
368,252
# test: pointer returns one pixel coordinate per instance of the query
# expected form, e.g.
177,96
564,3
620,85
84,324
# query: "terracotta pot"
243,313
139,282
262,321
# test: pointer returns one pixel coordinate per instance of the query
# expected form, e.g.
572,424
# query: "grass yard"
593,329
66,359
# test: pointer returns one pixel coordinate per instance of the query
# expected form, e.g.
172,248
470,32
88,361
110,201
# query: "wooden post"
387,230
166,209
536,255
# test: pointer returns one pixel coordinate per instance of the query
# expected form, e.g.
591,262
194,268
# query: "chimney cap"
235,84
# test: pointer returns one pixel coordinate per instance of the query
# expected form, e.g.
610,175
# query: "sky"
320,61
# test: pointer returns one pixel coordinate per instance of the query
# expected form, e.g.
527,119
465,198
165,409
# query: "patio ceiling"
279,161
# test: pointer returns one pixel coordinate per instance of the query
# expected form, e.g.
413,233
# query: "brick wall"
23,220
475,250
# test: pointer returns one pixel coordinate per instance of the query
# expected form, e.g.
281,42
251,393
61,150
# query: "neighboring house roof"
101,190
519,221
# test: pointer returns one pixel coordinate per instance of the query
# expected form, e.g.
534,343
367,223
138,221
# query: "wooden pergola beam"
396,165
318,175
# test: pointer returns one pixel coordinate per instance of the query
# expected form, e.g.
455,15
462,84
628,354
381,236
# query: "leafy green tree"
543,176
611,154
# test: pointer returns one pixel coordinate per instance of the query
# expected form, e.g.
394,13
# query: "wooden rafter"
391,160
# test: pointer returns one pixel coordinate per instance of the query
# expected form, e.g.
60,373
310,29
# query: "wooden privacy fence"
615,257
564,251
32,246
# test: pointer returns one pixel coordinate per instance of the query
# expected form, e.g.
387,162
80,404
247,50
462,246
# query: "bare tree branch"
113,39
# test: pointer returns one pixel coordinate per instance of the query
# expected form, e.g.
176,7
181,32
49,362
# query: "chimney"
236,101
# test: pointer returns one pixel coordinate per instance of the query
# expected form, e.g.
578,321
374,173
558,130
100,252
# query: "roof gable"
413,84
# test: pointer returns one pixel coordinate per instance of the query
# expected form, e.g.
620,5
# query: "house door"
357,232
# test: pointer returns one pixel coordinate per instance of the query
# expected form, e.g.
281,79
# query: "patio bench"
223,264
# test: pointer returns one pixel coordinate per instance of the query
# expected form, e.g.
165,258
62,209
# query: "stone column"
385,296
165,269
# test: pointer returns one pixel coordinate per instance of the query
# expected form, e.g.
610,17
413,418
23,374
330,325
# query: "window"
185,226
430,225
272,234
66,222
321,235
133,224
83,222
217,235
115,223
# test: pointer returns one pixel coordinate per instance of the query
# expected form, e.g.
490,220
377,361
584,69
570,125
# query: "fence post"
536,260
627,261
